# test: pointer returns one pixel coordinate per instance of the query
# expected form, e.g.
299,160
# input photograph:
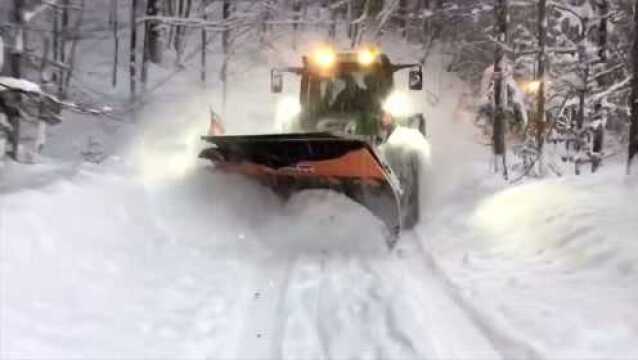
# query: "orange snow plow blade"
290,163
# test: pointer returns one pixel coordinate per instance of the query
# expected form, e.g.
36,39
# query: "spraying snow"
288,108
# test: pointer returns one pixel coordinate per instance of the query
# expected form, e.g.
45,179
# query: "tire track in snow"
260,337
506,345
336,305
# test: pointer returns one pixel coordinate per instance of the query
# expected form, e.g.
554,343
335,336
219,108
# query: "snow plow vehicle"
335,138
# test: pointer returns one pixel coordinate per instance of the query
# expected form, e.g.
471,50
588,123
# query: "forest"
549,72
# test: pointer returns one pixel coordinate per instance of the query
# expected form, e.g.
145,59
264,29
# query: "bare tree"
183,10
152,43
540,99
225,53
633,132
498,133
296,15
133,51
116,41
72,51
202,75
402,15
332,30
14,64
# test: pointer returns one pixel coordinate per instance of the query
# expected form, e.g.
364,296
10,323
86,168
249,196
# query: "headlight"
532,87
324,58
398,104
366,57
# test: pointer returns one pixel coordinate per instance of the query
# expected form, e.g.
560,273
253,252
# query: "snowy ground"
151,255
552,264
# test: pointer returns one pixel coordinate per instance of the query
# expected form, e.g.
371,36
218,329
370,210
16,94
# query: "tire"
410,184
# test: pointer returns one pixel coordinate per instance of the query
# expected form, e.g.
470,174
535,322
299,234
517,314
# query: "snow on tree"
574,65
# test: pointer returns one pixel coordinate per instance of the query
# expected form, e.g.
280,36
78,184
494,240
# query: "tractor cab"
343,93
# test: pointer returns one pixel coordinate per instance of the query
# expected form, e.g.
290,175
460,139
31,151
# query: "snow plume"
288,108
169,142
173,122
449,126
406,140
411,139
232,207
213,209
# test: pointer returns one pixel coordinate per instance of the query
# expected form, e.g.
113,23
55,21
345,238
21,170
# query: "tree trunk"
133,49
170,11
602,30
15,70
180,32
540,101
358,12
42,125
151,46
403,17
179,12
116,42
62,43
153,8
598,137
225,48
332,32
265,17
296,9
599,115
202,75
424,5
498,133
56,41
633,132
74,45
581,140
349,20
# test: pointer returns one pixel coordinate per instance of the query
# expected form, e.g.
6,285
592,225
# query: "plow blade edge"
290,163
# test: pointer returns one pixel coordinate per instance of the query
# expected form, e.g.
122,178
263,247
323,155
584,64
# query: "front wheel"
409,178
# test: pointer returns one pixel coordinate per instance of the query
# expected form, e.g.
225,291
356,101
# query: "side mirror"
416,79
276,82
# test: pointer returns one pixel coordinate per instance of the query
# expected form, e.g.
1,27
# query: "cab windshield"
356,91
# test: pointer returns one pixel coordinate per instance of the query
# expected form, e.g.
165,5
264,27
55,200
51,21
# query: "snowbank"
576,219
552,263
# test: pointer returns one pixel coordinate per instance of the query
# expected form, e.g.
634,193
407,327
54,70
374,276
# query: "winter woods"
39,56
569,65
556,77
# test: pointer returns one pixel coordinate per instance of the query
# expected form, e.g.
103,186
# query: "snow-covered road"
97,265
92,268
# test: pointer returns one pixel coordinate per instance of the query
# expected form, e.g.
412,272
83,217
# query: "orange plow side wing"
294,162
